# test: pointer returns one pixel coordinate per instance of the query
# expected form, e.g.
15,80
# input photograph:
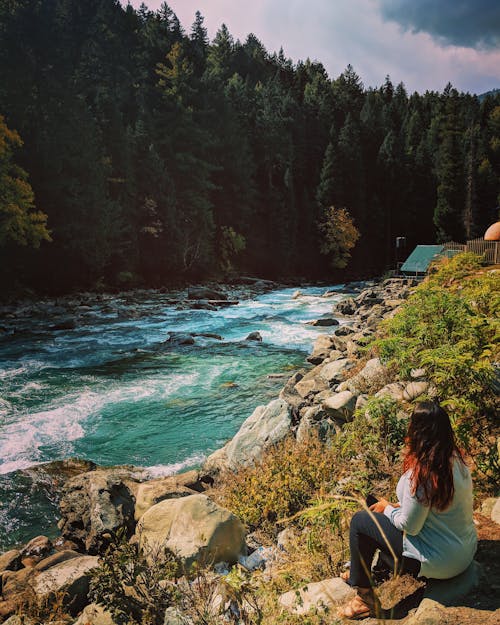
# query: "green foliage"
281,484
136,589
450,326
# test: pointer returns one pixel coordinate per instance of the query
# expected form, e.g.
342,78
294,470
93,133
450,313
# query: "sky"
423,43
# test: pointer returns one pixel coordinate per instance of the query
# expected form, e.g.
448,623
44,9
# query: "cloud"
471,24
350,31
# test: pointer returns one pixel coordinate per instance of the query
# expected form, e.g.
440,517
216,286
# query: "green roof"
421,257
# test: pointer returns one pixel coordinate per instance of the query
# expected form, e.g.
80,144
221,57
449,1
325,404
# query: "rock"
340,405
324,322
94,614
70,577
202,304
495,512
321,350
265,426
297,294
56,558
413,390
201,292
334,372
394,390
448,591
309,386
487,506
254,336
179,338
37,548
321,596
174,617
94,506
416,374
154,491
10,561
346,306
15,582
344,330
194,529
371,377
69,324
431,612
290,395
208,335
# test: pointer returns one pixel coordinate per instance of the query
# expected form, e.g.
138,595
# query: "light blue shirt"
443,541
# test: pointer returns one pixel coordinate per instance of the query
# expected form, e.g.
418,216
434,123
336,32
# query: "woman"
430,531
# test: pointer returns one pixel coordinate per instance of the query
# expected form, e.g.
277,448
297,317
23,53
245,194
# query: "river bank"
321,399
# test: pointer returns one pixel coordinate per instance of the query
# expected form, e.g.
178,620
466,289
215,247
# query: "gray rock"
335,372
321,350
265,426
394,390
201,292
194,529
174,617
495,512
56,558
179,338
340,405
152,492
254,336
413,390
321,596
94,506
289,393
344,330
371,377
324,322
37,548
346,307
449,591
71,577
94,614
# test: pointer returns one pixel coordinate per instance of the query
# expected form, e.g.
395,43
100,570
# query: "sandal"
355,610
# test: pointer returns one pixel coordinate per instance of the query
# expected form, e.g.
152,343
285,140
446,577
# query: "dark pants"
365,537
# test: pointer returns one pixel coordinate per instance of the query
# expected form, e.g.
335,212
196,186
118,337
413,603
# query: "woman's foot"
360,607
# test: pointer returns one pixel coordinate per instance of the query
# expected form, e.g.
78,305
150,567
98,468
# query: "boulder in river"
94,506
205,293
254,336
324,322
194,529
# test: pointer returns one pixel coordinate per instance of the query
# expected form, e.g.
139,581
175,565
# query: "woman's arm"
410,516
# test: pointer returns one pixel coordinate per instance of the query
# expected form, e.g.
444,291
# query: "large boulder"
202,292
265,426
335,372
154,491
371,377
346,306
71,577
323,346
194,529
340,406
94,506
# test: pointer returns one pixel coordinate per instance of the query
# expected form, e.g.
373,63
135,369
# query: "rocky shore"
177,513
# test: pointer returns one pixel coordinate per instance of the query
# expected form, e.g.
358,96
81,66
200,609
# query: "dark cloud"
473,23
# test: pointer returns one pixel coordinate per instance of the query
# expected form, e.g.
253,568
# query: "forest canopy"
160,156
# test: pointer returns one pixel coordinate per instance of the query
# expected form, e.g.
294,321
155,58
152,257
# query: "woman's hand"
381,505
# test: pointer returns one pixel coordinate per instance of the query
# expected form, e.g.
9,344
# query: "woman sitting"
430,531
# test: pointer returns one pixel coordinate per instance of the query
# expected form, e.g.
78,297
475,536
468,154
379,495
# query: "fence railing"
488,249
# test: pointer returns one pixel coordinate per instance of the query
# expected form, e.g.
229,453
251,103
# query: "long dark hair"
430,452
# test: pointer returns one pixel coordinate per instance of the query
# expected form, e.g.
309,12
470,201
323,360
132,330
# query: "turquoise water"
110,391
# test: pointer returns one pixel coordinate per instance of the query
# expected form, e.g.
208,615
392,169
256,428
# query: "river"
109,390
